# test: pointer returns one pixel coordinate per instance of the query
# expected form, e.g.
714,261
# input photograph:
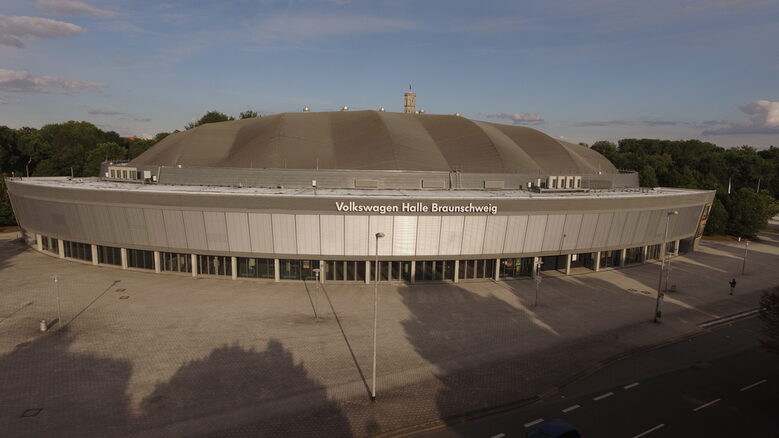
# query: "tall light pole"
375,314
659,301
744,263
316,271
537,272
59,307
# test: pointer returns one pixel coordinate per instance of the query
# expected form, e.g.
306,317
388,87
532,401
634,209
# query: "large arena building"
308,195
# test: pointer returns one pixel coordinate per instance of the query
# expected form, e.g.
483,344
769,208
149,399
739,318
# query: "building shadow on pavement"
9,249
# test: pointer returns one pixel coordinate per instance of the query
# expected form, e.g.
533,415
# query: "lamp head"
379,235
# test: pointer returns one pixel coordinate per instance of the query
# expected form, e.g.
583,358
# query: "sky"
580,70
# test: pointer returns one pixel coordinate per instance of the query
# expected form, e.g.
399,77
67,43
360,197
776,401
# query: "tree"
6,212
605,148
10,156
769,314
248,114
210,117
139,146
718,219
749,211
103,152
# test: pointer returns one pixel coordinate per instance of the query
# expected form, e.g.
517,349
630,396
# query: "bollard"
43,326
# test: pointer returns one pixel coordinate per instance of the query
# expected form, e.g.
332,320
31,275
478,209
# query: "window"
653,252
108,255
518,267
50,244
141,259
175,262
301,269
77,250
634,255
256,268
214,265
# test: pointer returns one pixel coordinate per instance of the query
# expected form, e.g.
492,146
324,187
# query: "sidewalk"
151,355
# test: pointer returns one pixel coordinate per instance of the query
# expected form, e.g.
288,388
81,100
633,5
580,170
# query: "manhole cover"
31,412
124,297
121,290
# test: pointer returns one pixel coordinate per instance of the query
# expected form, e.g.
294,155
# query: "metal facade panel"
356,235
195,228
332,229
89,221
602,230
74,224
515,235
381,224
451,235
103,223
653,225
428,235
136,224
284,235
119,227
261,232
617,225
155,227
587,231
238,237
534,237
686,222
216,230
174,229
630,228
405,235
640,232
553,233
53,217
307,229
573,223
495,234
473,234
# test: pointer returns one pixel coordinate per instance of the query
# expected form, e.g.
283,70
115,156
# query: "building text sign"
415,207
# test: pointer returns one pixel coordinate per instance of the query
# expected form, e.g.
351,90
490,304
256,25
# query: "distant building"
280,196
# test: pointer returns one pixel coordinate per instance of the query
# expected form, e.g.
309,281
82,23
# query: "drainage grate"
121,290
124,297
31,412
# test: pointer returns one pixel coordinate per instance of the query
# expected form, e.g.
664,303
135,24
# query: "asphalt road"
719,384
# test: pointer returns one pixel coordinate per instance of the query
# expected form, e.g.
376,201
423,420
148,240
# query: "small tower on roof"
410,101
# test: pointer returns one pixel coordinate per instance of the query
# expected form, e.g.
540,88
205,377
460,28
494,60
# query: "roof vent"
345,108
381,109
306,109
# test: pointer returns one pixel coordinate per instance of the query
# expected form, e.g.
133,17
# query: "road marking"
571,408
632,385
534,422
500,435
602,396
753,385
706,404
649,431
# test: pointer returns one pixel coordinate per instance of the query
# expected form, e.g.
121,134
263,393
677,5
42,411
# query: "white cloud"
23,82
71,7
519,118
305,27
763,119
14,28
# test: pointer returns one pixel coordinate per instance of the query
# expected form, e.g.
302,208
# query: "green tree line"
746,180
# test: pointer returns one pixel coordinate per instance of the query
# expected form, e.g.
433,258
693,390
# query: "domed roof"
373,140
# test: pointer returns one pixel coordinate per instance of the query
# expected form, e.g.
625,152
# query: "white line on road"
500,435
649,431
534,422
753,385
706,404
571,408
602,396
632,385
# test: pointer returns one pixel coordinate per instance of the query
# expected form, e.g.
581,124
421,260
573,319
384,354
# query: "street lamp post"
537,272
375,315
316,271
662,265
59,306
744,263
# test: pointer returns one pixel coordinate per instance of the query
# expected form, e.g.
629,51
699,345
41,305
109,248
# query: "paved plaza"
147,355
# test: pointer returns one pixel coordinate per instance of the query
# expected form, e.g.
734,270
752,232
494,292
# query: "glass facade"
339,270
77,250
553,263
609,259
302,269
653,252
214,265
50,244
175,262
634,255
434,270
140,259
517,267
108,255
470,269
249,267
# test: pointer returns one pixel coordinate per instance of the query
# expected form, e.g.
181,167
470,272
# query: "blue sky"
583,70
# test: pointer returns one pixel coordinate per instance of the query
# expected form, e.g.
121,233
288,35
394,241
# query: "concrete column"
234,267
535,263
456,278
39,242
597,261
61,248
497,270
676,248
193,259
622,254
368,276
94,254
643,254
321,271
568,264
413,271
157,262
277,270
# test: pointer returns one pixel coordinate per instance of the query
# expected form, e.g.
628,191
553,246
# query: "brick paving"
211,357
